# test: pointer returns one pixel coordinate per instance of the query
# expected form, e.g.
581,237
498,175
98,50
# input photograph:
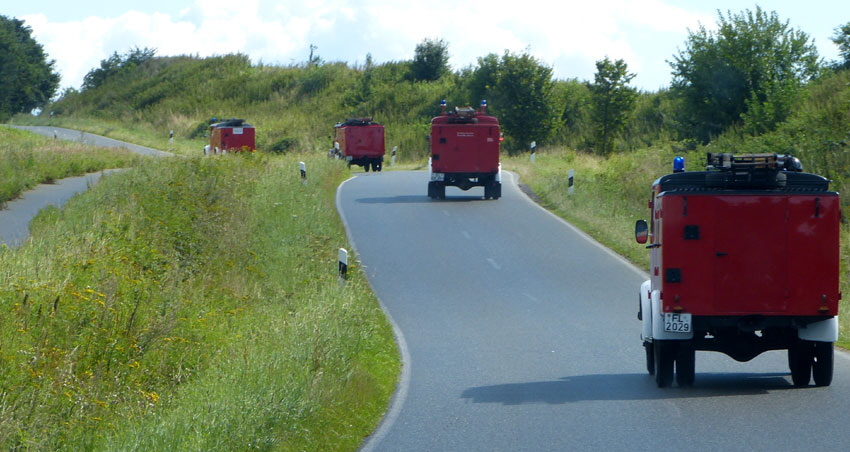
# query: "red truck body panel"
465,147
359,141
744,254
232,136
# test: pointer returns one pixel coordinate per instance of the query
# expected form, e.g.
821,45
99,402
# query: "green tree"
478,81
612,101
27,79
116,65
430,60
752,65
841,38
573,100
520,92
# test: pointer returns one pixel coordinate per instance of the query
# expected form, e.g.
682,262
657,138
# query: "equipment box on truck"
360,141
465,152
744,258
231,135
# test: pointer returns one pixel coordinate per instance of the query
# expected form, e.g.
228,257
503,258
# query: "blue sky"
568,36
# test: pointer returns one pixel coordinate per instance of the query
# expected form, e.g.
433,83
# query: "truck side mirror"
641,231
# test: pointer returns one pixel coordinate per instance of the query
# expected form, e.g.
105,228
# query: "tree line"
746,75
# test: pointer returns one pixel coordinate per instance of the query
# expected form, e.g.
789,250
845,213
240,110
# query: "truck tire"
685,364
664,356
436,190
800,359
823,363
650,358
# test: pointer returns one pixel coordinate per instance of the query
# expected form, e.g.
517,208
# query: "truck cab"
744,258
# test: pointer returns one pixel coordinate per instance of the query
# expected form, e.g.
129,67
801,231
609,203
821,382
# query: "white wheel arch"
822,331
653,325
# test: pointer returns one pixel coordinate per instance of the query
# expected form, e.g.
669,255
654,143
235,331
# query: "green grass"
192,304
611,194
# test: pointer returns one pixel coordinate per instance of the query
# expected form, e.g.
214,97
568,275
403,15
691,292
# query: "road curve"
17,214
92,139
519,333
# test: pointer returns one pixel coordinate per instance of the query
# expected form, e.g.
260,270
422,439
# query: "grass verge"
192,304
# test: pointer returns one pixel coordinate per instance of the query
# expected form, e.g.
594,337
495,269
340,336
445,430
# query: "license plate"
677,322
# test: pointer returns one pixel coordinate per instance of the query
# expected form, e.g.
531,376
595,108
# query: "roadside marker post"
392,160
570,175
533,148
303,168
343,263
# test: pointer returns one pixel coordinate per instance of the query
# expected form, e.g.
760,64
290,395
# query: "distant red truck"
360,141
231,135
744,258
465,152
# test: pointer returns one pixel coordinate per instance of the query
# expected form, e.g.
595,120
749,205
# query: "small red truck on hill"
744,258
231,135
360,141
465,152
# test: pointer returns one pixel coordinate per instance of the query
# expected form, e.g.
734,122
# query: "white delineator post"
392,159
303,169
570,175
343,263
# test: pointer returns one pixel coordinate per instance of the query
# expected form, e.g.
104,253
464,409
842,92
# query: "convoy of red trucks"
465,152
744,258
360,141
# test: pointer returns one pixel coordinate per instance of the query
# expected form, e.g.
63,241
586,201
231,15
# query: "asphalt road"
16,216
519,333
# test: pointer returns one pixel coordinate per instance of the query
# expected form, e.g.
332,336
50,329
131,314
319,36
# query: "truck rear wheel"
800,360
650,357
436,190
685,364
822,365
665,355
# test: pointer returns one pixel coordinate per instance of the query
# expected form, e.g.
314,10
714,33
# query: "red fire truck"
231,135
360,141
744,258
465,152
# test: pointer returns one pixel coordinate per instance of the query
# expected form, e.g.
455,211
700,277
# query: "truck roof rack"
358,122
727,170
232,122
753,162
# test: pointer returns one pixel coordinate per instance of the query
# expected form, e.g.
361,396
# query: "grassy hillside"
293,108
